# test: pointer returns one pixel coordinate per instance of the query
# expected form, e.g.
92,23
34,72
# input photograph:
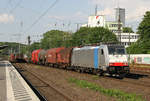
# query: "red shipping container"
64,56
34,57
51,55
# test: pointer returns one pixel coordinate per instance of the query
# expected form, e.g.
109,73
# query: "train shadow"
130,76
135,76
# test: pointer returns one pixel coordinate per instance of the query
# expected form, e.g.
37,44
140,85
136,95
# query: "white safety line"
14,74
10,94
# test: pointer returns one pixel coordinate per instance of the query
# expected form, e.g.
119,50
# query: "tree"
34,46
127,30
12,47
67,39
143,44
55,38
80,37
144,27
87,35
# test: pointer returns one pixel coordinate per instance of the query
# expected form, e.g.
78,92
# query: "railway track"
141,72
131,79
128,80
141,83
49,87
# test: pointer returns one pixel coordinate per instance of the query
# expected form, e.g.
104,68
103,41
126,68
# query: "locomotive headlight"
111,64
125,63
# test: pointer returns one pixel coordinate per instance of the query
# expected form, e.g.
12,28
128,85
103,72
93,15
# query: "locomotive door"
102,57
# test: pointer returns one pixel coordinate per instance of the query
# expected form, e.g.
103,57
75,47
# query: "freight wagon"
12,58
64,57
34,57
51,56
17,57
41,57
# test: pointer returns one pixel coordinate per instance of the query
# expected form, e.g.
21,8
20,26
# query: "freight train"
18,57
102,59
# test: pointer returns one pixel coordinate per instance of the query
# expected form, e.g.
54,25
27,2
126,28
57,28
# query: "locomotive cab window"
116,50
120,51
102,52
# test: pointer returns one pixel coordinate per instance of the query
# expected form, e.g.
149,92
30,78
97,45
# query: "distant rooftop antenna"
96,10
119,23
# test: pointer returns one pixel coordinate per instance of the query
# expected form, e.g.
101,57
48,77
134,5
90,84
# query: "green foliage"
144,27
142,46
120,95
127,30
88,35
55,38
12,47
85,35
34,46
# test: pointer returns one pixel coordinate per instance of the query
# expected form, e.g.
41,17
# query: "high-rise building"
120,12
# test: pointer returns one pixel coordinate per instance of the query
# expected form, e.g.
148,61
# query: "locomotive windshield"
116,50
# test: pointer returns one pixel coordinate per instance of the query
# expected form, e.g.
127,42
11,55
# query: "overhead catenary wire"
36,21
13,9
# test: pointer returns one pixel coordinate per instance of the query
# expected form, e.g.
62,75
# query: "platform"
12,86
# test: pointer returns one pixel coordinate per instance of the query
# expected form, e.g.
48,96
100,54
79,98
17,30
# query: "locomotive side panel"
85,57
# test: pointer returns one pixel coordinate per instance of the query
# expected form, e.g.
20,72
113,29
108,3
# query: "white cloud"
137,14
135,9
107,11
78,15
57,17
5,18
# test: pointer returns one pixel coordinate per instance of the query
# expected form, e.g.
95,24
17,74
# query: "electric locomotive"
106,58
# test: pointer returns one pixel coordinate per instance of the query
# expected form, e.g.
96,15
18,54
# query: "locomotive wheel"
95,72
101,73
121,75
78,70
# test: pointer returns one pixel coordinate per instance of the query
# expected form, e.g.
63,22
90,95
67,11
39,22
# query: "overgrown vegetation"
83,36
93,35
12,47
127,30
142,46
56,38
120,95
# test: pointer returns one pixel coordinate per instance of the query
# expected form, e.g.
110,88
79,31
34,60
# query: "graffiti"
146,60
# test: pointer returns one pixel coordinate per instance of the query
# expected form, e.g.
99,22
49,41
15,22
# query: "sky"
21,18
